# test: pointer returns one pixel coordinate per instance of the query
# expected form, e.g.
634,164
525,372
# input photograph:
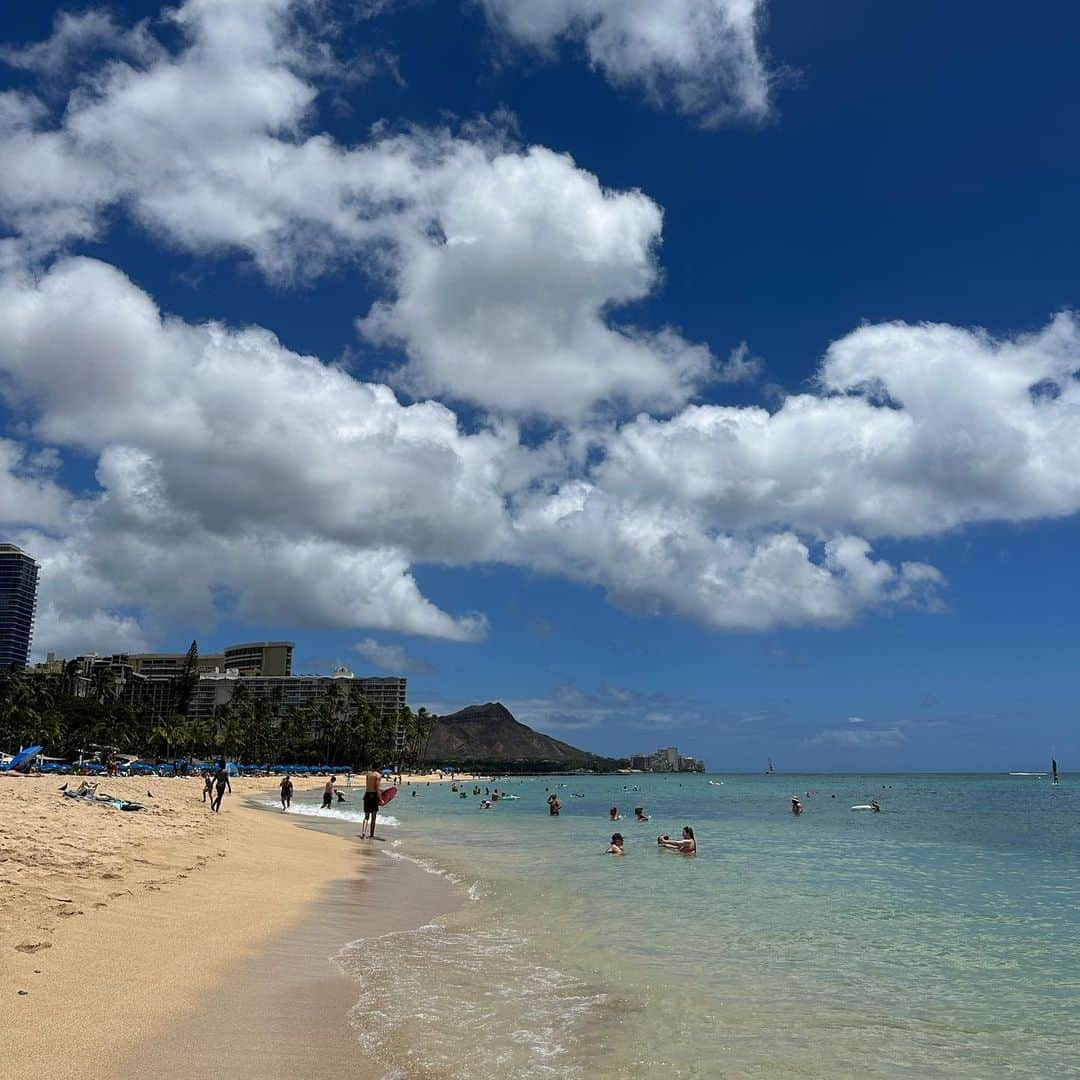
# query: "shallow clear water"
938,938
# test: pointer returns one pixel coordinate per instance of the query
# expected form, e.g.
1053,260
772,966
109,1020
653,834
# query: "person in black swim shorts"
372,779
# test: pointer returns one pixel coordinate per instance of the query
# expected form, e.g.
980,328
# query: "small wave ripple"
468,999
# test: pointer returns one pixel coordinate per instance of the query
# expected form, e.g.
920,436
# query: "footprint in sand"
32,947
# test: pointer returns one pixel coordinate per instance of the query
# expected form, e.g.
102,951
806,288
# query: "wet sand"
179,939
289,1007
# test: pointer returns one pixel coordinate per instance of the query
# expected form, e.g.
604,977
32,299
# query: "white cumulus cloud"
234,475
702,56
391,658
502,264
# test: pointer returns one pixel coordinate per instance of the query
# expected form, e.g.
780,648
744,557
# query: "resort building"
385,694
18,605
666,759
251,658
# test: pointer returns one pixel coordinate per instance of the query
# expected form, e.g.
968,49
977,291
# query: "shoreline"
211,936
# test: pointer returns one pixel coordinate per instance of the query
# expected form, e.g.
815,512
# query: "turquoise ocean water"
940,937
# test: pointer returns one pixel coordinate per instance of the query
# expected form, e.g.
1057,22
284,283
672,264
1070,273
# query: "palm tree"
425,722
405,734
20,710
174,732
241,715
104,685
69,679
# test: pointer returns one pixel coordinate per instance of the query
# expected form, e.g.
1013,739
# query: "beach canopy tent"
388,772
21,761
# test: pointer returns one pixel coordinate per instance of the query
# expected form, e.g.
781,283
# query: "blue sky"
623,411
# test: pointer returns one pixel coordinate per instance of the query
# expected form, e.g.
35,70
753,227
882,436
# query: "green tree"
184,684
173,732
425,722
103,684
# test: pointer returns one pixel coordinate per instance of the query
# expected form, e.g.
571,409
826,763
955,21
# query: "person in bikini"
372,779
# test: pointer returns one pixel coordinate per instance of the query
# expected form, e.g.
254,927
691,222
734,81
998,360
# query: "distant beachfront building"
385,694
250,658
148,681
18,605
666,759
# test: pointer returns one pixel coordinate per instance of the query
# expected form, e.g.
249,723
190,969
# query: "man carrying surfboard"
372,779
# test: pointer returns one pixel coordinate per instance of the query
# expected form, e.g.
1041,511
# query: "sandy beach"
182,937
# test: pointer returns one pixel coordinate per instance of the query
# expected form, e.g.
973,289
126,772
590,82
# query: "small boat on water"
770,771
1053,770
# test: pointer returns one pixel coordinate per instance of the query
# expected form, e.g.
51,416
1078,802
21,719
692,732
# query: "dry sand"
119,930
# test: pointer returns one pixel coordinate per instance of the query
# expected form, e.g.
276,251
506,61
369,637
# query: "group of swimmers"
685,845
797,806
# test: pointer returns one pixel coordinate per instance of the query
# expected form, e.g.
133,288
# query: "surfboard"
386,795
863,806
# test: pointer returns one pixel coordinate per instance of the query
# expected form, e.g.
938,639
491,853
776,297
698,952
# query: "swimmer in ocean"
687,845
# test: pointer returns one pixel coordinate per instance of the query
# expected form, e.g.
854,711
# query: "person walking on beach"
286,792
208,787
372,779
221,783
328,793
687,845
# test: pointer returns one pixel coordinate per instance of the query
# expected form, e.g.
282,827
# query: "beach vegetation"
340,726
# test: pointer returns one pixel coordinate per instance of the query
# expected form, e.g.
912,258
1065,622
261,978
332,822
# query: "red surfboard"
386,795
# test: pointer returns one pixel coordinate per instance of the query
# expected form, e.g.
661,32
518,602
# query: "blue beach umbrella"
21,761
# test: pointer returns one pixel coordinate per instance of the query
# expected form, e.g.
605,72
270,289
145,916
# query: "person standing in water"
286,792
221,784
372,779
616,845
328,793
687,845
554,806
796,805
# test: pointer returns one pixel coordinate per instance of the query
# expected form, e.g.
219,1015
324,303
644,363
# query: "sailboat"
770,770
1053,771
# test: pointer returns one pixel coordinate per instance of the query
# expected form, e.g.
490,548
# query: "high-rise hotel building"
18,603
